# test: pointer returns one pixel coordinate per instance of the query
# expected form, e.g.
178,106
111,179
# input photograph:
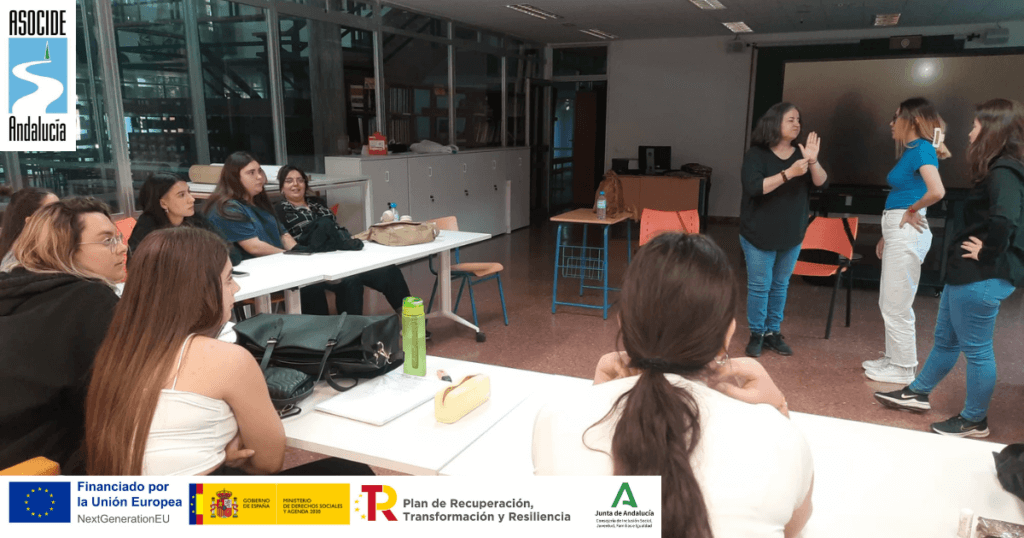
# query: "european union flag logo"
40,502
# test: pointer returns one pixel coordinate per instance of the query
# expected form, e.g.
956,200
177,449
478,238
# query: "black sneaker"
754,346
774,342
959,426
904,399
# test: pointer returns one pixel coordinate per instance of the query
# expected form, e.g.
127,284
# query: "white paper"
383,399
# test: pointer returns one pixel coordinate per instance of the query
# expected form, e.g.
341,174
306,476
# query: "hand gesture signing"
810,151
914,219
746,380
972,246
798,169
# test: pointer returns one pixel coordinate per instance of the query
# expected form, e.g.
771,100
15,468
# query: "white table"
415,442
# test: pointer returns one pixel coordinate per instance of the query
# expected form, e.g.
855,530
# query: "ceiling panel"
640,19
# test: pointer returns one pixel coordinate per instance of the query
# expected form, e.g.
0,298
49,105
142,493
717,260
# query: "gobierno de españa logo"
38,88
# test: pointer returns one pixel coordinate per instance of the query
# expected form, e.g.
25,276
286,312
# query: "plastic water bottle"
414,336
394,210
602,206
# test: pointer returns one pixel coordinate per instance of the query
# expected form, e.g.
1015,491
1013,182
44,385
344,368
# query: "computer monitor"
655,159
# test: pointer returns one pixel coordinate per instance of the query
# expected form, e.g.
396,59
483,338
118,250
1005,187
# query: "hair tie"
654,363
937,137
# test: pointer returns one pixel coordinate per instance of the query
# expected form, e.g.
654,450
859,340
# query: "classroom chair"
482,271
835,236
654,222
37,466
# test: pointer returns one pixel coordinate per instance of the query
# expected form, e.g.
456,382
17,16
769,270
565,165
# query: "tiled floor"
822,377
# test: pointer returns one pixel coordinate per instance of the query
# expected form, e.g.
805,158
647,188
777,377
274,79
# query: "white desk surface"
276,272
869,480
415,442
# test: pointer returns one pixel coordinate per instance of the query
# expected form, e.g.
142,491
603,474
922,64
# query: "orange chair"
37,466
654,222
125,226
836,236
466,271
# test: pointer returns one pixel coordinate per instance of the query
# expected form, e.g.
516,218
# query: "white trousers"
905,249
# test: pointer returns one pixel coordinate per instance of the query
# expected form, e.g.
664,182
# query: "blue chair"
468,273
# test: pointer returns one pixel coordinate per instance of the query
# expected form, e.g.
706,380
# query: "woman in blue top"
917,129
241,210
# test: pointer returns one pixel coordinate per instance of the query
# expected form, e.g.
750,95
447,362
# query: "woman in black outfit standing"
776,181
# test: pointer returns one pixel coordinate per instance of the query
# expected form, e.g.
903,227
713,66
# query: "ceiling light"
534,12
890,19
599,34
707,4
738,27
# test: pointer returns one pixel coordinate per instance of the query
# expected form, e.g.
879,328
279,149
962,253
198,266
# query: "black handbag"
334,348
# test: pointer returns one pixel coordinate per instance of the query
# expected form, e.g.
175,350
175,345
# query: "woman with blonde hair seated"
674,405
56,301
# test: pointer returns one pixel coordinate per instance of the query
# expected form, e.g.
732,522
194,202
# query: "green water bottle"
414,336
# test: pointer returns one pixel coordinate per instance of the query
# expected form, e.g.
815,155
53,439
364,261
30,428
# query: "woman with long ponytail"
674,405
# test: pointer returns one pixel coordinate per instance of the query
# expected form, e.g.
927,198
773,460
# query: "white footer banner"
366,506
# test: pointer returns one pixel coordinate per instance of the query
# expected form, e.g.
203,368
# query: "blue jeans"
967,319
768,273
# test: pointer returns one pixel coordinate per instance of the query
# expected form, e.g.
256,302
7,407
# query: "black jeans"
348,292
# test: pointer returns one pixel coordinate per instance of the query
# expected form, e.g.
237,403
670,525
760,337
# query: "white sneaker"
875,364
890,373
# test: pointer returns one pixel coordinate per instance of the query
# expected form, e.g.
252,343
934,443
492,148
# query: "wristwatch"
784,177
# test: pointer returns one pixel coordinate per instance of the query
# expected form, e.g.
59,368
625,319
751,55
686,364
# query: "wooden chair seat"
478,268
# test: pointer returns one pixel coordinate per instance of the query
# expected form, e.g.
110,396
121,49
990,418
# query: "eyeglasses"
112,242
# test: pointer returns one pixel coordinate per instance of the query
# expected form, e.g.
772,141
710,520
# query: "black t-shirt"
147,224
777,220
994,213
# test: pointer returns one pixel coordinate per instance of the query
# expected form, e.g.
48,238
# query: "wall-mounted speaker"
734,47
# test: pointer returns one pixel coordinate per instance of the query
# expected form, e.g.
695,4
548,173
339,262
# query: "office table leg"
292,303
604,263
583,252
558,254
262,305
444,276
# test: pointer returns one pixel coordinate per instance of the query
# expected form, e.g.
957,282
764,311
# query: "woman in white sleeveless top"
167,397
674,405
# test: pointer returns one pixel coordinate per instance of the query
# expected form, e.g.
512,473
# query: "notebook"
384,398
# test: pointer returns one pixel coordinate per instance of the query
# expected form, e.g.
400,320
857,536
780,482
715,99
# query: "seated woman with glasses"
23,204
187,403
166,202
674,405
298,211
56,301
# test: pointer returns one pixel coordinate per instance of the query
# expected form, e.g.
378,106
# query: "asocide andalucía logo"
37,84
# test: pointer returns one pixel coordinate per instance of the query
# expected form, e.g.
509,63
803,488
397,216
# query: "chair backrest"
125,226
654,222
445,223
37,466
825,233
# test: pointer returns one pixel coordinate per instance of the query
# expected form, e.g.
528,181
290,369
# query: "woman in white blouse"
673,404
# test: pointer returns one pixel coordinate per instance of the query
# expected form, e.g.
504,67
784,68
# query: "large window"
155,87
317,60
477,99
236,80
416,92
90,170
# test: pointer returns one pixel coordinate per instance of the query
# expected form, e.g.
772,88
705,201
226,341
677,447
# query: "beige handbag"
397,234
